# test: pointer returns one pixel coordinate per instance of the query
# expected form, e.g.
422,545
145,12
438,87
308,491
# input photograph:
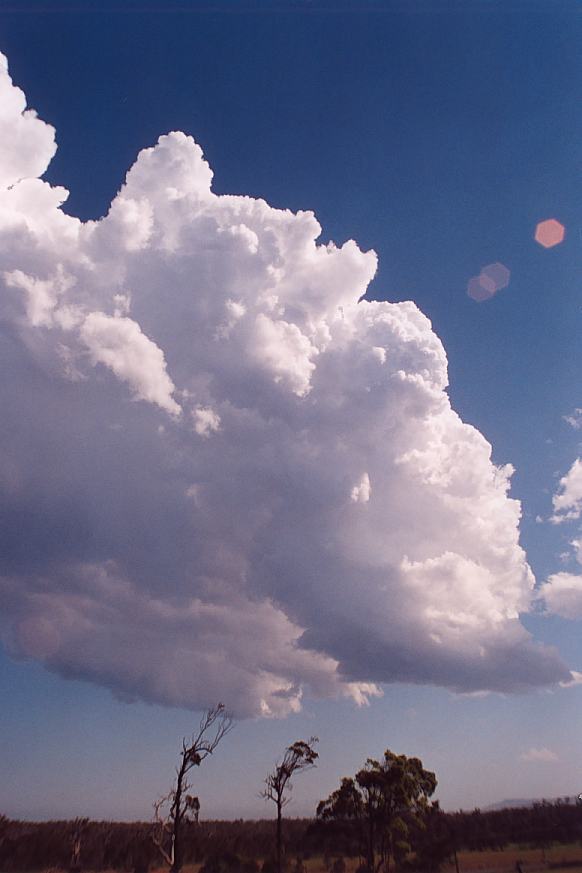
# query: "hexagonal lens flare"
549,233
480,288
498,274
490,280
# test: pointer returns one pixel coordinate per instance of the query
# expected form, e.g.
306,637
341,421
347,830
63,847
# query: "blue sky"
438,135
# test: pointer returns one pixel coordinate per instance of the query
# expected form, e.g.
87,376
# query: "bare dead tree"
298,757
177,807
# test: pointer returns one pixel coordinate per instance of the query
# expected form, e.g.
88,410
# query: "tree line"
247,846
383,816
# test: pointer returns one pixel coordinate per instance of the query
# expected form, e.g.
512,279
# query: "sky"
259,444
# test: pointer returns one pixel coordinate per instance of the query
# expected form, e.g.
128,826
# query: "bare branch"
158,844
164,825
180,805
201,745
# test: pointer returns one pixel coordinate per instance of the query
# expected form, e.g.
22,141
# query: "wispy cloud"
543,754
574,419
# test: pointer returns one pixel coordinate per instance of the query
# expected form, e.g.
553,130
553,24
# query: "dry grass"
557,859
560,858
531,860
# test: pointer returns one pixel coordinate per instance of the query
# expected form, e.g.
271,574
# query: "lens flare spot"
480,288
498,274
549,233
490,280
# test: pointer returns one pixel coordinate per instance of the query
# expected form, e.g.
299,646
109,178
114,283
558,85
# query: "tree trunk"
371,854
279,837
176,850
177,824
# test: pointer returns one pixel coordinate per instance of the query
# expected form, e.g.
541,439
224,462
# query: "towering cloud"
221,476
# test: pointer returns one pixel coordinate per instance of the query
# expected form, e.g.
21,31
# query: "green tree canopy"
381,800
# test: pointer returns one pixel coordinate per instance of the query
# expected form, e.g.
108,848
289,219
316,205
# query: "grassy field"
557,859
565,858
560,857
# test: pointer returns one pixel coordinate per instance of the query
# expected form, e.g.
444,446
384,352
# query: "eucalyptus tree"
298,757
380,801
174,809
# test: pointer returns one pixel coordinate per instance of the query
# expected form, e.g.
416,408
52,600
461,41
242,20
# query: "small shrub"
228,862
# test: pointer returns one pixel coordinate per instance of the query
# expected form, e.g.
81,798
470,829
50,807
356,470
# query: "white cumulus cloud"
562,595
119,344
205,421
567,501
26,144
362,491
242,566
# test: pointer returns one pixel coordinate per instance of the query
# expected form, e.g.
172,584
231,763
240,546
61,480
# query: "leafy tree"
434,840
174,809
381,801
298,757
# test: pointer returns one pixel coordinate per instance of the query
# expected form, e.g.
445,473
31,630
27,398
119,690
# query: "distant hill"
521,802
